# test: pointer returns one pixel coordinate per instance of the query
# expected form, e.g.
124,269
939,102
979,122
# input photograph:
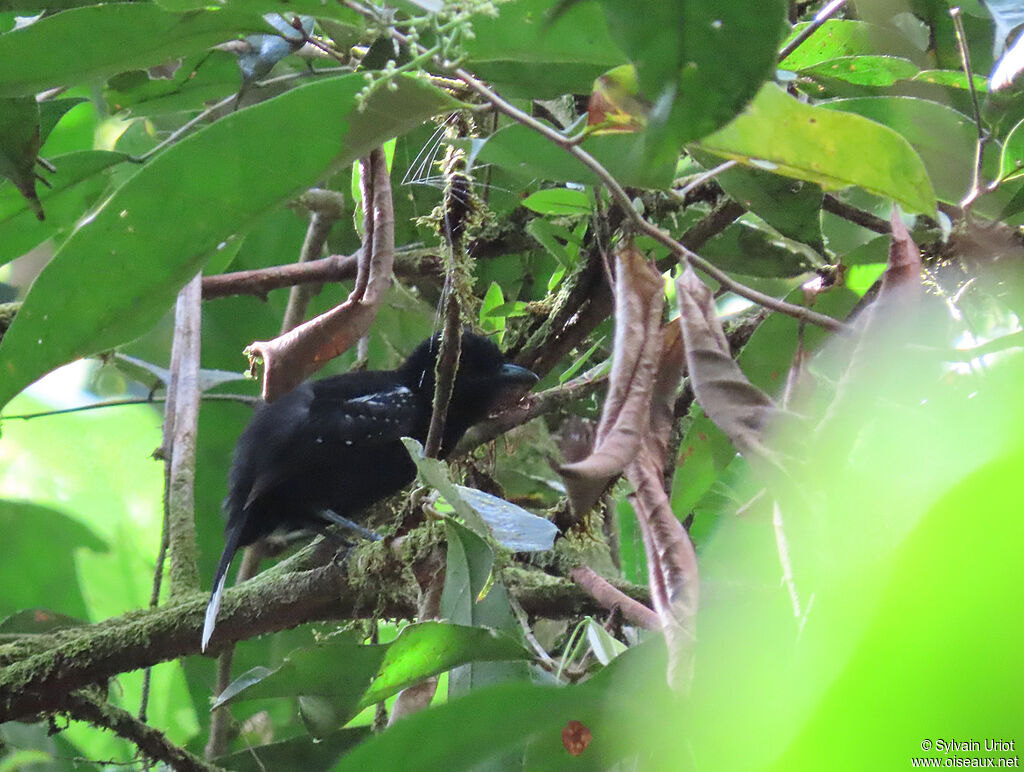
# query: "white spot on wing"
398,394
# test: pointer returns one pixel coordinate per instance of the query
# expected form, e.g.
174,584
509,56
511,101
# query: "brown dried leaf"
737,407
671,367
290,358
903,273
671,565
626,413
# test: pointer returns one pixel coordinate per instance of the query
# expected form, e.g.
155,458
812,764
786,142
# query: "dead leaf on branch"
290,358
636,352
673,575
736,406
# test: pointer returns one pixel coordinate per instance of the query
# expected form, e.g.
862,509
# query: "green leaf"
942,137
752,251
177,218
558,201
698,63
845,37
526,54
202,77
864,70
35,530
50,113
488,319
811,143
296,752
109,39
429,648
472,595
363,675
790,206
484,726
353,667
528,156
434,472
512,526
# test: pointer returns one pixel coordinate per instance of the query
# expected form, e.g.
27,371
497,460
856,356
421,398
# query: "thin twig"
864,219
820,18
150,741
150,400
447,364
700,179
326,208
979,146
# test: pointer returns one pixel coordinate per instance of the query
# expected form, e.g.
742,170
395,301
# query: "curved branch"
150,741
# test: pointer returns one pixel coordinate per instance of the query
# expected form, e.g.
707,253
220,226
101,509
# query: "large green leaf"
363,675
945,140
161,226
788,137
527,53
752,251
97,41
864,70
698,63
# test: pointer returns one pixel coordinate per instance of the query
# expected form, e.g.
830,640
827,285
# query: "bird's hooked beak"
514,382
516,376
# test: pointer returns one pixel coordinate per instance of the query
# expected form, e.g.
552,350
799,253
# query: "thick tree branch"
40,673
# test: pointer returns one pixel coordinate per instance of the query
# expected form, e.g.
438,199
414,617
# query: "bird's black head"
484,379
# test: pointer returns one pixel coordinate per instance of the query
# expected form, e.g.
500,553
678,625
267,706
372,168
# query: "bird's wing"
338,423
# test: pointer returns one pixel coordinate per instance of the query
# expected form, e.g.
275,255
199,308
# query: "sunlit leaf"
821,147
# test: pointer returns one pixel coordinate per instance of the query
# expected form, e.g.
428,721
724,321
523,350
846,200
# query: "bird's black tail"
232,536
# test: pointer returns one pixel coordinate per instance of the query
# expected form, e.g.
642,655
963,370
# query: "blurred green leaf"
790,206
19,147
492,722
296,753
1011,164
746,249
47,541
698,63
472,595
528,156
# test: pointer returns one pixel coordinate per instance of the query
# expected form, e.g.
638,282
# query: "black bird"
330,448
